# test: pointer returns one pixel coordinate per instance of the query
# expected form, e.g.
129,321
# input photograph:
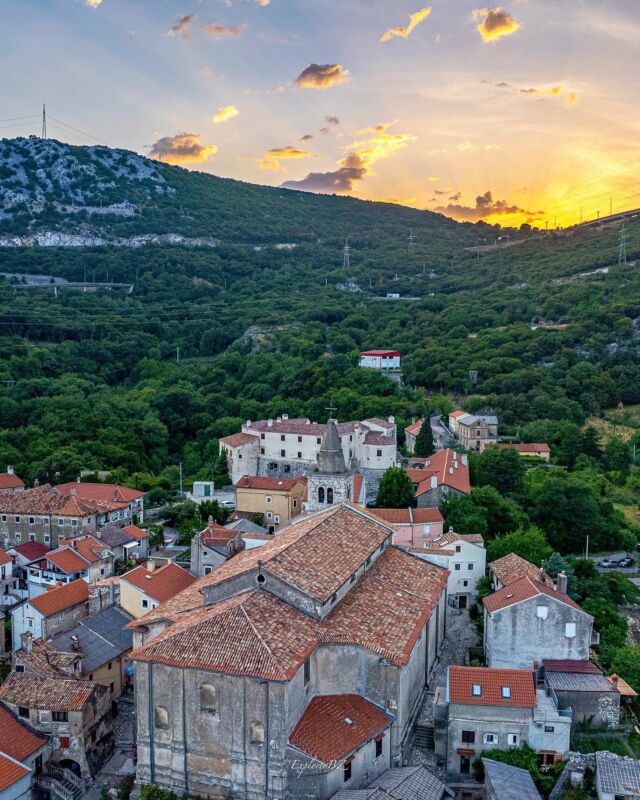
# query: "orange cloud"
414,20
272,158
225,113
321,76
223,31
485,208
182,148
495,23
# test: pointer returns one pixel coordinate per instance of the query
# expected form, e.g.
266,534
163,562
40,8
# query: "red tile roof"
61,597
238,439
10,481
100,492
161,583
32,550
268,484
512,567
456,414
524,589
414,428
408,516
450,536
136,532
67,560
521,683
33,691
541,447
300,426
16,739
379,439
45,500
380,353
570,665
449,470
10,772
91,549
333,726
4,558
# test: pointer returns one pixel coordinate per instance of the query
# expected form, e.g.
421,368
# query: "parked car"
625,563
227,504
607,563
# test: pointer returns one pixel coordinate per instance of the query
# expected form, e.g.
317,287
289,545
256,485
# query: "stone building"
142,589
617,777
442,475
44,616
510,568
414,527
484,709
474,432
213,546
582,687
330,481
294,669
22,756
274,500
529,621
10,482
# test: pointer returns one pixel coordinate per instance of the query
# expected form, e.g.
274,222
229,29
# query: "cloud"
363,154
455,197
306,138
383,126
321,76
182,148
492,147
465,147
485,207
495,23
225,113
433,178
182,26
332,120
571,99
414,20
218,31
325,131
93,3
272,158
555,90
263,2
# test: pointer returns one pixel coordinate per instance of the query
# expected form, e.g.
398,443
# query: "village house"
82,557
410,435
583,687
484,709
529,621
145,587
304,660
400,783
48,614
213,546
124,546
8,582
530,450
617,777
465,558
414,527
128,504
22,555
275,500
504,782
382,360
510,568
10,482
74,715
474,432
289,448
441,475
22,756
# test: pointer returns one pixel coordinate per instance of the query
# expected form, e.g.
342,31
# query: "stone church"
295,669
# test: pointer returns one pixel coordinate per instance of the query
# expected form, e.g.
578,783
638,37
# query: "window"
60,521
268,499
379,453
262,451
262,436
456,567
318,440
32,520
506,693
144,602
45,520
47,538
378,746
18,536
476,690
208,698
465,584
346,771
32,537
307,672
276,519
299,438
490,738
60,716
161,718
295,503
23,712
549,729
269,514
570,630
513,740
4,517
208,570
282,437
109,665
256,733
470,566
283,453
352,578
16,518
469,737
19,667
334,599
542,612
287,467
299,454
329,496
64,742
458,548
30,622
426,528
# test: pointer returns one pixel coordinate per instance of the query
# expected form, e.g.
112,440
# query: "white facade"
201,491
380,359
26,619
466,562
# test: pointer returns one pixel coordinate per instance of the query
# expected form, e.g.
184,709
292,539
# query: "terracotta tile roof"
524,589
267,484
136,532
67,560
91,549
10,772
17,739
450,536
379,439
461,680
100,492
456,414
449,470
32,550
570,665
162,583
541,447
10,481
45,500
512,567
300,426
622,686
61,597
32,691
254,633
333,726
432,551
4,558
238,439
414,428
44,661
381,423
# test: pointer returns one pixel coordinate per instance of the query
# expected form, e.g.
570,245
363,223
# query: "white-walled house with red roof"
380,359
10,482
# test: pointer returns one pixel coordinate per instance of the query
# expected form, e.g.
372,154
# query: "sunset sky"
528,111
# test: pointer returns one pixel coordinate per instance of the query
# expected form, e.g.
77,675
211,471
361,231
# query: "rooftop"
268,484
333,726
463,683
33,691
161,583
448,468
61,597
11,771
51,501
136,532
524,589
17,739
238,439
414,428
113,536
408,516
511,567
101,638
380,353
9,480
32,551
450,536
67,560
618,775
301,426
541,447
509,783
4,558
100,492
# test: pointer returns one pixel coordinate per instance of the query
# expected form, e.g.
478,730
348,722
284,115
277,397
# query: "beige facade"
134,601
278,500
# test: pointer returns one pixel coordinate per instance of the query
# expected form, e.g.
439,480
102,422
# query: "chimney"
465,460
26,641
73,491
9,469
75,644
614,680
248,423
434,482
392,420
269,423
151,565
562,583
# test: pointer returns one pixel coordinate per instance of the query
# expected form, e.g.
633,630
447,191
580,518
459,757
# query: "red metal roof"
520,683
333,726
61,597
32,550
380,353
570,665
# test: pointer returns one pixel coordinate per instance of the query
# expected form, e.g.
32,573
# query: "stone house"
582,687
510,568
465,558
443,474
400,783
617,777
19,744
10,482
142,536
8,581
270,655
145,587
213,546
48,614
82,557
504,782
242,451
123,545
414,527
529,621
411,434
482,709
75,716
122,505
474,432
276,500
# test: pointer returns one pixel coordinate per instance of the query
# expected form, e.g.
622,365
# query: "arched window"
256,733
329,496
208,698
321,495
161,718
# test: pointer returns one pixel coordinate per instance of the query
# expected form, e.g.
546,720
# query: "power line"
77,130
44,122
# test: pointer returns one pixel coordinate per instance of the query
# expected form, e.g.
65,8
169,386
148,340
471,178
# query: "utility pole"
412,244
346,258
181,494
622,247
177,355
586,552
44,122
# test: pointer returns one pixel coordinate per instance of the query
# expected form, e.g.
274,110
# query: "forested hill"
52,186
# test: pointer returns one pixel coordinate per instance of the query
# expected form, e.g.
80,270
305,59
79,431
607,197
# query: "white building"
201,491
380,359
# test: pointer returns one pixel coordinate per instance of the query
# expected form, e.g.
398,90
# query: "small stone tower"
330,482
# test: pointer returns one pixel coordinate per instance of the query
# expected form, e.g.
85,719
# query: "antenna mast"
44,122
412,243
622,248
346,259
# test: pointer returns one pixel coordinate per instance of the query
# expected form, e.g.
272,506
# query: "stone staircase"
62,784
423,737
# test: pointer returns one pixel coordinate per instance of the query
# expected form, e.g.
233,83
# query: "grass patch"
591,744
608,430
629,415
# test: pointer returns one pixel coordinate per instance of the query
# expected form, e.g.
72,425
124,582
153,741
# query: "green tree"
221,475
395,489
501,468
424,440
610,623
569,444
530,544
556,564
590,443
523,757
617,456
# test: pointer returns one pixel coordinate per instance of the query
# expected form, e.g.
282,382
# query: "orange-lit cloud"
495,23
414,20
571,99
183,148
218,31
263,2
321,76
272,158
225,113
485,208
182,27
555,90
93,3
